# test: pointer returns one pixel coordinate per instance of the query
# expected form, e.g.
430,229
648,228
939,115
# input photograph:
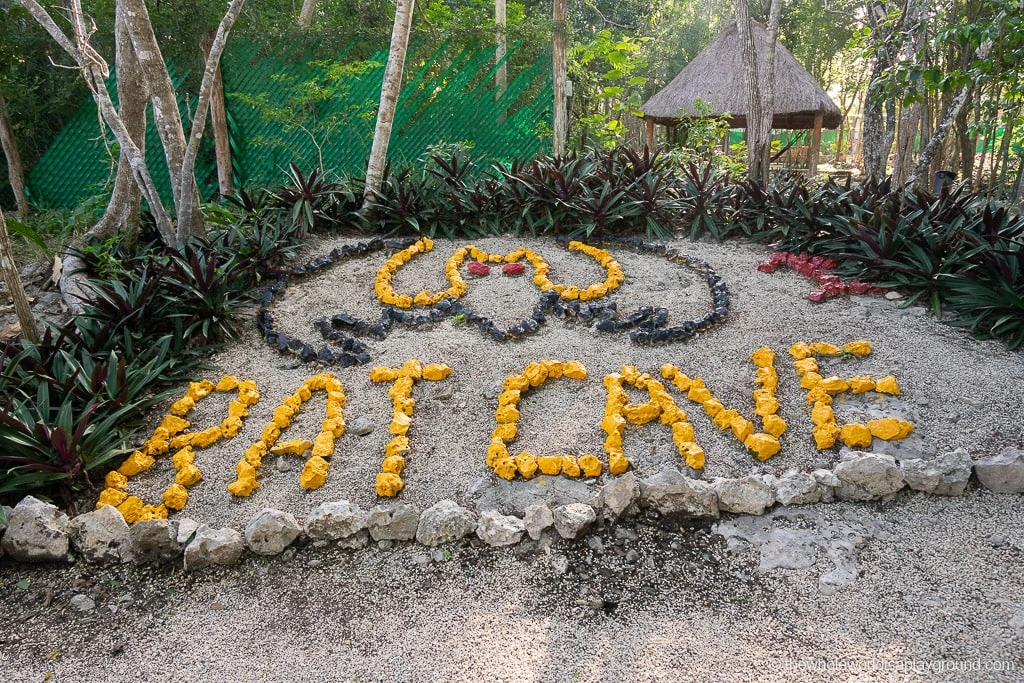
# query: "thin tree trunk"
910,115
192,224
14,288
558,41
94,71
1004,152
390,89
219,123
15,169
122,212
949,116
760,89
879,116
306,13
501,78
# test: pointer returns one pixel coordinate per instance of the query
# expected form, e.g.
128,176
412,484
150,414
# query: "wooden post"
650,135
501,78
561,118
14,288
219,123
815,145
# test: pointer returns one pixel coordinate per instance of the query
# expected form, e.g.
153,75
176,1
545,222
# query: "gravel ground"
937,579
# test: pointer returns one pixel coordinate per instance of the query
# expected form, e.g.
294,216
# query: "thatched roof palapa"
716,76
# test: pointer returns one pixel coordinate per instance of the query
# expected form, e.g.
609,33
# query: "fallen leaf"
12,330
57,270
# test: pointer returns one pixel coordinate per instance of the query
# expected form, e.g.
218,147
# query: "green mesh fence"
448,100
77,165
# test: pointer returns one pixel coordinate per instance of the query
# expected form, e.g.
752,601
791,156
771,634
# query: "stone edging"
40,532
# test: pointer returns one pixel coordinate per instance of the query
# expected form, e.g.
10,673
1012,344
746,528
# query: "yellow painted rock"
153,512
505,468
435,372
183,457
671,413
323,445
890,428
496,451
155,446
763,357
774,425
768,378
855,435
383,374
231,426
334,425
509,398
590,465
859,348
398,445
248,393
682,382
422,298
834,384
393,464
389,485
131,509
506,432
283,416
188,475
692,454
861,384
822,413
613,441
741,427
617,464
526,463
887,385
136,462
724,419
766,405
506,413
292,401
116,480
574,370
555,368
174,424
401,388
292,447
175,496
641,413
227,383
630,374
535,374
411,368
825,435
399,423
549,464
237,409
207,437
181,406
763,445
406,405
682,432
112,497
698,392
801,350
199,390
570,467
824,349
613,423
713,407
517,382
254,453
314,473
806,365
179,442
819,395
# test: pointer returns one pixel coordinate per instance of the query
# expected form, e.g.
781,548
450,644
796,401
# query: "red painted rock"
478,268
817,296
513,269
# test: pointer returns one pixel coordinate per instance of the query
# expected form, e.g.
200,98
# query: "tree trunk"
949,116
306,13
14,288
15,169
558,41
964,144
166,115
390,89
219,122
910,115
94,71
760,89
501,78
192,223
122,213
879,116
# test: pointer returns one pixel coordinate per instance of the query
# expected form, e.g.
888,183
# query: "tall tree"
879,111
390,89
561,116
760,88
913,36
17,293
306,13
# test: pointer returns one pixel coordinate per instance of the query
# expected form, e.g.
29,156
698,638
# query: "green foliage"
607,81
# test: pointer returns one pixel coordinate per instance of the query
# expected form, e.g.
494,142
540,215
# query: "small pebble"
82,603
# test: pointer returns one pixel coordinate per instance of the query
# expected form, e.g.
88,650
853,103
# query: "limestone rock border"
39,532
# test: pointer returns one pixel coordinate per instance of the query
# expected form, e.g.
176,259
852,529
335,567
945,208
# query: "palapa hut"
716,77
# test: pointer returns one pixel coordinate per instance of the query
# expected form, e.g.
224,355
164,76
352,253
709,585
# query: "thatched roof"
716,76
